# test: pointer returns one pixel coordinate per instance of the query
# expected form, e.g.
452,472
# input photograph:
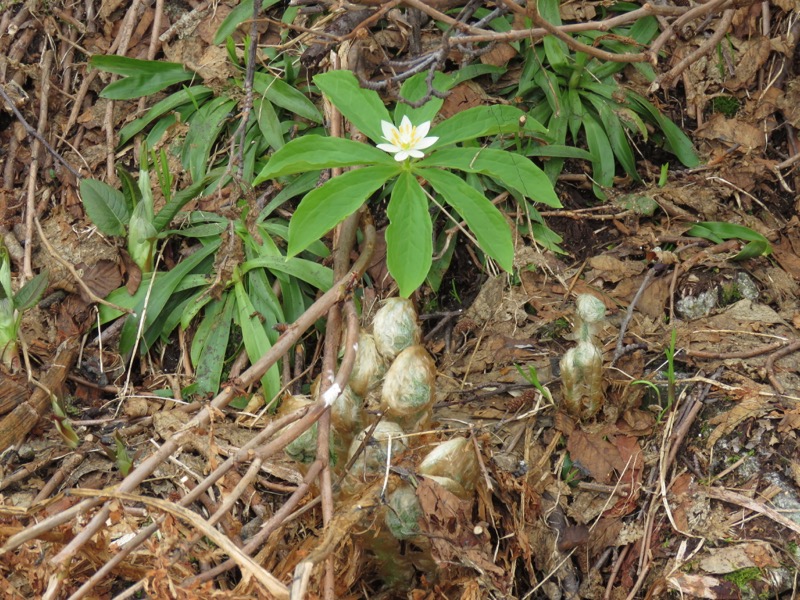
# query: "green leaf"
137,86
268,123
208,372
717,232
603,155
176,203
205,126
616,134
512,170
314,152
105,206
161,292
284,95
328,205
30,293
555,49
197,93
484,219
243,12
256,341
480,121
677,142
559,151
409,245
363,108
129,67
317,275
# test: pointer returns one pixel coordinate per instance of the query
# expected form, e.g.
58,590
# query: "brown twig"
770,364
666,80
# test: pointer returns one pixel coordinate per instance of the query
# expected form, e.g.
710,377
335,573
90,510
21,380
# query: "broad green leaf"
512,170
30,293
208,372
205,126
483,218
284,95
328,205
317,275
603,155
243,12
414,89
137,86
255,340
409,245
576,111
314,152
268,123
363,108
131,67
105,206
480,121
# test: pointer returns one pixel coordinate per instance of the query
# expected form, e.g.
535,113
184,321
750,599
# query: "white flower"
406,140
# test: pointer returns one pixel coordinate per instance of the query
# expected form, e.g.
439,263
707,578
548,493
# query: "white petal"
406,122
426,142
388,130
423,129
402,155
391,148
415,153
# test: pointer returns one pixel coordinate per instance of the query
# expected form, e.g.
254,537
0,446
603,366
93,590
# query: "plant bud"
347,413
582,380
395,327
590,314
368,367
403,513
376,451
454,459
302,449
407,394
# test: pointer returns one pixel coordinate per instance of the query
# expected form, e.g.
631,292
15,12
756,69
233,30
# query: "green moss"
743,577
727,105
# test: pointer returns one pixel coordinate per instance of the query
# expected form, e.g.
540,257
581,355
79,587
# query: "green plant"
717,232
532,377
577,96
223,289
670,352
12,306
411,184
278,108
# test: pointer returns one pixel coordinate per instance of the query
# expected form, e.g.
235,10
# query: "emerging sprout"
395,327
368,367
582,380
408,387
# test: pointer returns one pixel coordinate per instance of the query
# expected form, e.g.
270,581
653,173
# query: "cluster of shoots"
393,375
582,366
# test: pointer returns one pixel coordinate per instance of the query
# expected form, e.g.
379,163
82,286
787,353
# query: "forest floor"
686,482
